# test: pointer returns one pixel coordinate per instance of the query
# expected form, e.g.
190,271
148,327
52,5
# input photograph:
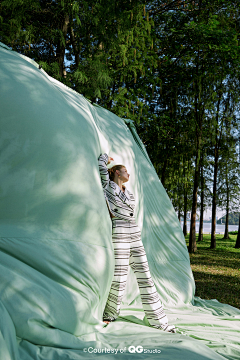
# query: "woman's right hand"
109,160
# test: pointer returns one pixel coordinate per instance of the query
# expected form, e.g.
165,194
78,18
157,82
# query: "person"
128,248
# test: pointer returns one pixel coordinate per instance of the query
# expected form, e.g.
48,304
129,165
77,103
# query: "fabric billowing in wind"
56,254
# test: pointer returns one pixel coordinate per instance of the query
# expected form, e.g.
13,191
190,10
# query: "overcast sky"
208,213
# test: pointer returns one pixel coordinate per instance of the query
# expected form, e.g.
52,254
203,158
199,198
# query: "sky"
208,213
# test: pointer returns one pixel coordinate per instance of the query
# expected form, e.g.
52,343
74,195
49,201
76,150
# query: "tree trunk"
192,248
185,214
200,234
75,48
214,200
214,205
237,245
226,235
62,46
179,215
164,172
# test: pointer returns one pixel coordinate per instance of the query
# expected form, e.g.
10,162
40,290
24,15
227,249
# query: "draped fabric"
56,252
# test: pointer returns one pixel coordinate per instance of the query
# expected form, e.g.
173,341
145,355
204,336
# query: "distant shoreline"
209,222
207,227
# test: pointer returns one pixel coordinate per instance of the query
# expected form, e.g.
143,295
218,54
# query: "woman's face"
124,176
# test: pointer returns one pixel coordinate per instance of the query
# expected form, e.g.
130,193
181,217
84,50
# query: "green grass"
233,232
217,272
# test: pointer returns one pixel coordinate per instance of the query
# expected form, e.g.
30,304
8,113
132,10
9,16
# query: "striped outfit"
129,250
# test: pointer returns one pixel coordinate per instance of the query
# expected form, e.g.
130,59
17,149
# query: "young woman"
128,248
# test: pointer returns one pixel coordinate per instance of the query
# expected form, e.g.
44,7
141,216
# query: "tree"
237,245
203,190
162,64
229,185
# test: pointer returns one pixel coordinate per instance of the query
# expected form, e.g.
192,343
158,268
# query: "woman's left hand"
109,160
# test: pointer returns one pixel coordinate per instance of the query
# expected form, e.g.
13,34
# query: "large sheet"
56,254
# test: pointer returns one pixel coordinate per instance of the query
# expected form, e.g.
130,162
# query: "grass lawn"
217,272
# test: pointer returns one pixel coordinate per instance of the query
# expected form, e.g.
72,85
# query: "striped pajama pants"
129,250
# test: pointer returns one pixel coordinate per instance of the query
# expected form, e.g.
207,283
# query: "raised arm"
103,160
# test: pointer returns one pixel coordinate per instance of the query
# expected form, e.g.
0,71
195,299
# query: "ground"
217,272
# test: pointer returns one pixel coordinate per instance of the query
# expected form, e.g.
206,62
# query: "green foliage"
233,219
172,67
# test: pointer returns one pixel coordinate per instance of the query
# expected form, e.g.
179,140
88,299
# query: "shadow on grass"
210,258
225,253
217,271
224,288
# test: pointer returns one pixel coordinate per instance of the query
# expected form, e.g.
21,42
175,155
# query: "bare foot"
106,321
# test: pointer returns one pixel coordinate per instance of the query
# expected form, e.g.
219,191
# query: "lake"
208,226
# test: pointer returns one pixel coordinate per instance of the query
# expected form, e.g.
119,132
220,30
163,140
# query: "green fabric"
130,124
56,258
